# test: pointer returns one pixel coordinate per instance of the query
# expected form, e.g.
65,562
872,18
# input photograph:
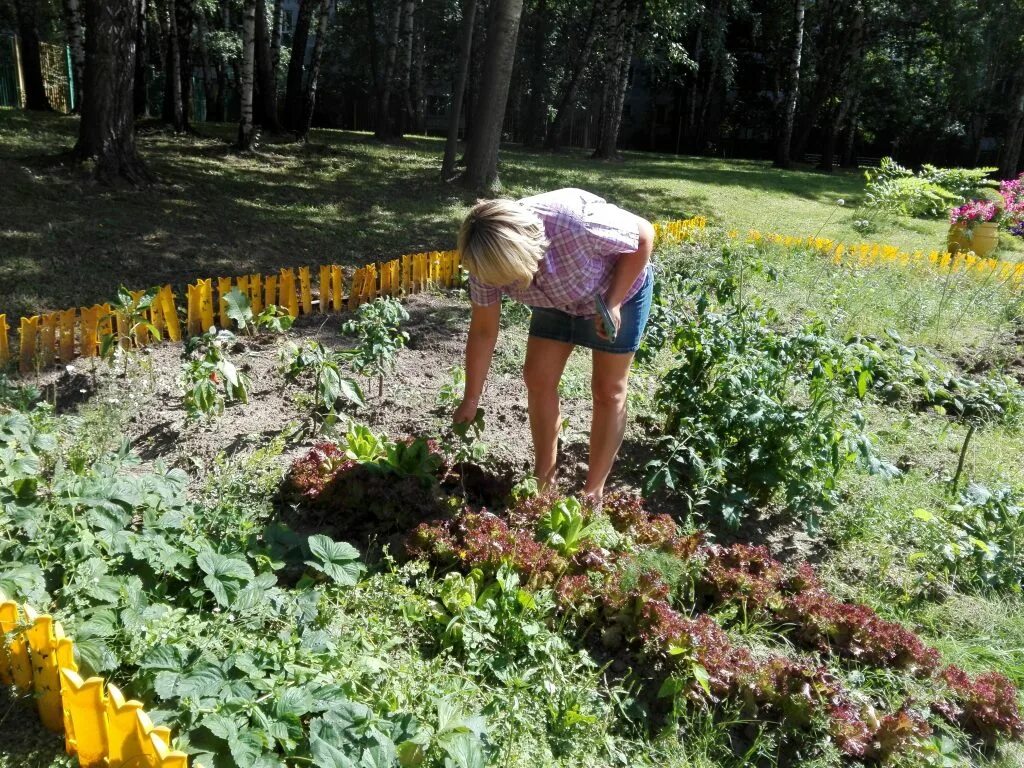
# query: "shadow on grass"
24,742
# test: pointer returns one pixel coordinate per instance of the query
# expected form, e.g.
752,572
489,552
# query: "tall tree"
174,107
536,108
314,69
276,30
785,139
75,30
294,90
482,153
266,72
246,128
622,19
141,96
405,115
107,128
570,88
385,128
185,21
210,84
451,144
31,61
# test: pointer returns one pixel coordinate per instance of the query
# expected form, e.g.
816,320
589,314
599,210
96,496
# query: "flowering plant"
974,212
1012,191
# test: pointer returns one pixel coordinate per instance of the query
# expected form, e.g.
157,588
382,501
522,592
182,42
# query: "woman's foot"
549,482
593,498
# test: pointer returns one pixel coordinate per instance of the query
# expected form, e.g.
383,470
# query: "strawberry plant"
377,329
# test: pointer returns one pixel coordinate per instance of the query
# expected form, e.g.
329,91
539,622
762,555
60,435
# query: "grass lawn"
342,198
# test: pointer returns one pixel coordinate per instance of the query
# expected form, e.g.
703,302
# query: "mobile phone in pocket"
606,317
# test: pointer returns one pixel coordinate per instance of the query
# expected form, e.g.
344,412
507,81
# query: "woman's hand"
615,311
466,412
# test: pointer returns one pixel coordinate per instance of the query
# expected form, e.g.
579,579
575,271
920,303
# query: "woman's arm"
483,333
627,269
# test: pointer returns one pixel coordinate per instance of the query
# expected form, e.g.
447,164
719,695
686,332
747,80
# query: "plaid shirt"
586,236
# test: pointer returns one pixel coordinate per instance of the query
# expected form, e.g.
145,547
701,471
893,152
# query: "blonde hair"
501,243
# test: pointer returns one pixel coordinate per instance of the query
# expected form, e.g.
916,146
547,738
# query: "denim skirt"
573,329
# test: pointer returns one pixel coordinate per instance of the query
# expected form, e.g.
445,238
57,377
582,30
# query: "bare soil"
158,427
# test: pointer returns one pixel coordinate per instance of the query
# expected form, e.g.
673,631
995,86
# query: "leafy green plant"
929,193
418,458
337,560
450,394
272,318
331,386
745,421
376,327
467,445
362,444
565,526
17,397
129,320
978,541
210,379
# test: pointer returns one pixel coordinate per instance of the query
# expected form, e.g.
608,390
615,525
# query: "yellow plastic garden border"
61,336
100,727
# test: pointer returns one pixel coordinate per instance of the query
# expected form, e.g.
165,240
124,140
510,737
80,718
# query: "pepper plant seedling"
377,327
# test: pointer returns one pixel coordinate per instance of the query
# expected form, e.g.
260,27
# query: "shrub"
928,193
745,420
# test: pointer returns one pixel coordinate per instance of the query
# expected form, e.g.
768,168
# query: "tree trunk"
76,42
782,156
275,36
451,144
173,111
314,71
265,71
141,96
567,101
31,63
210,84
246,129
405,112
107,129
294,92
482,155
185,22
220,108
622,18
385,127
371,38
419,98
536,109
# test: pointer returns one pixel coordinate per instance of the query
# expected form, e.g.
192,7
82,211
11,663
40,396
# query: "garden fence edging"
100,727
61,336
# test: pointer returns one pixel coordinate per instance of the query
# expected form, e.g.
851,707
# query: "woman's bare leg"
545,361
608,384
